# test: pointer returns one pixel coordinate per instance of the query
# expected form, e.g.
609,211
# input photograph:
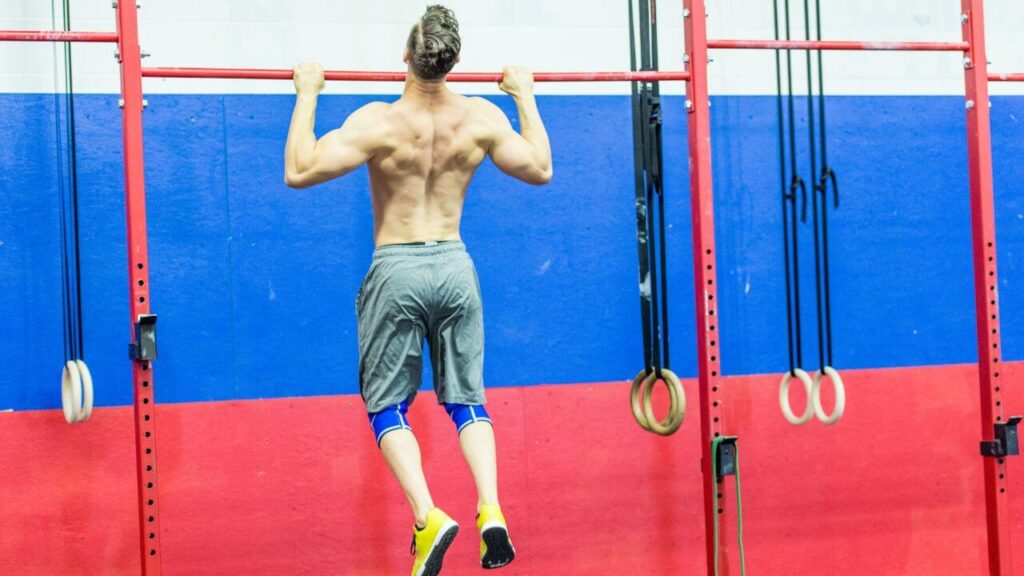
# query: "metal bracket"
653,105
650,108
144,347
1006,442
725,460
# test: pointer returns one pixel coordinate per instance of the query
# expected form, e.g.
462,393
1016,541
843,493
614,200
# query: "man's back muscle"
430,148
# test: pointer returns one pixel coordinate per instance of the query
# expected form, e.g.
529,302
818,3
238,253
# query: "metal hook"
799,182
827,174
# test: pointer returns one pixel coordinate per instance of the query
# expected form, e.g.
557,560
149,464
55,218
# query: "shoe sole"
499,548
432,567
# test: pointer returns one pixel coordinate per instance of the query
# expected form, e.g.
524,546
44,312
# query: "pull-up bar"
56,36
1006,77
838,45
283,74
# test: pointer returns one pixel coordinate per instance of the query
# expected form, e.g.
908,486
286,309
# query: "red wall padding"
296,486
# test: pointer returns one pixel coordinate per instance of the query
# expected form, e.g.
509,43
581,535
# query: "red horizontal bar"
282,74
56,36
1006,77
838,45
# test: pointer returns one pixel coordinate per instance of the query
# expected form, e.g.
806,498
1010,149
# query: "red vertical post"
986,283
138,280
706,286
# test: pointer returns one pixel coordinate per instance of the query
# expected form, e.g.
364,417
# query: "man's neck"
416,88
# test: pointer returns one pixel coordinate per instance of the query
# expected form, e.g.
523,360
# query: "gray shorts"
412,293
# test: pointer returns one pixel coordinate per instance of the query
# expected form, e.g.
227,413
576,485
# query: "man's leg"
477,443
476,438
402,453
434,530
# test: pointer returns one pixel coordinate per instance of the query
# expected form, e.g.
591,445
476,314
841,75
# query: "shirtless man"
422,151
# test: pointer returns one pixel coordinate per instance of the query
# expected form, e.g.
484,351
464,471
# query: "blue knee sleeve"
465,414
389,419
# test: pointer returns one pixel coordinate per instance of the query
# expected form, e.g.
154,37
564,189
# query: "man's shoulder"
373,108
484,108
370,115
482,103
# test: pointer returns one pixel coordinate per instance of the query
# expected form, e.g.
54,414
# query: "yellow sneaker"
430,544
496,548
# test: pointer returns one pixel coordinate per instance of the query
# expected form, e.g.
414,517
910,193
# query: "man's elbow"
542,176
295,180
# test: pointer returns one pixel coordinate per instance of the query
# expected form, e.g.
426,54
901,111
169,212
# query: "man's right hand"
516,81
308,78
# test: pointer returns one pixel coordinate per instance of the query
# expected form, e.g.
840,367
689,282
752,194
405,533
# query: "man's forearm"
532,129
300,149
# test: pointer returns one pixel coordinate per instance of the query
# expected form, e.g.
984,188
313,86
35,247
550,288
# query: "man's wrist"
306,96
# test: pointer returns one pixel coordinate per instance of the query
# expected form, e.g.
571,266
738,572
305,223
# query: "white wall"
552,35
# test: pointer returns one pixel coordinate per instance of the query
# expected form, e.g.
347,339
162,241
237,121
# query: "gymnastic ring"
71,391
87,391
840,388
634,400
676,403
787,409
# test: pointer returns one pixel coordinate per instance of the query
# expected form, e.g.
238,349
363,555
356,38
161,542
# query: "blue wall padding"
254,283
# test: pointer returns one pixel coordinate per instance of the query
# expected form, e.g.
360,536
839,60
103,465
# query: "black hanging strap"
650,212
821,260
657,181
791,183
71,269
641,201
827,175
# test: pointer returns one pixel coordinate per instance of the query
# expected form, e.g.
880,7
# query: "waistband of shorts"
425,249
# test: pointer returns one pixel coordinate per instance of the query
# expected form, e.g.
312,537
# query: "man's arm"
525,156
308,161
